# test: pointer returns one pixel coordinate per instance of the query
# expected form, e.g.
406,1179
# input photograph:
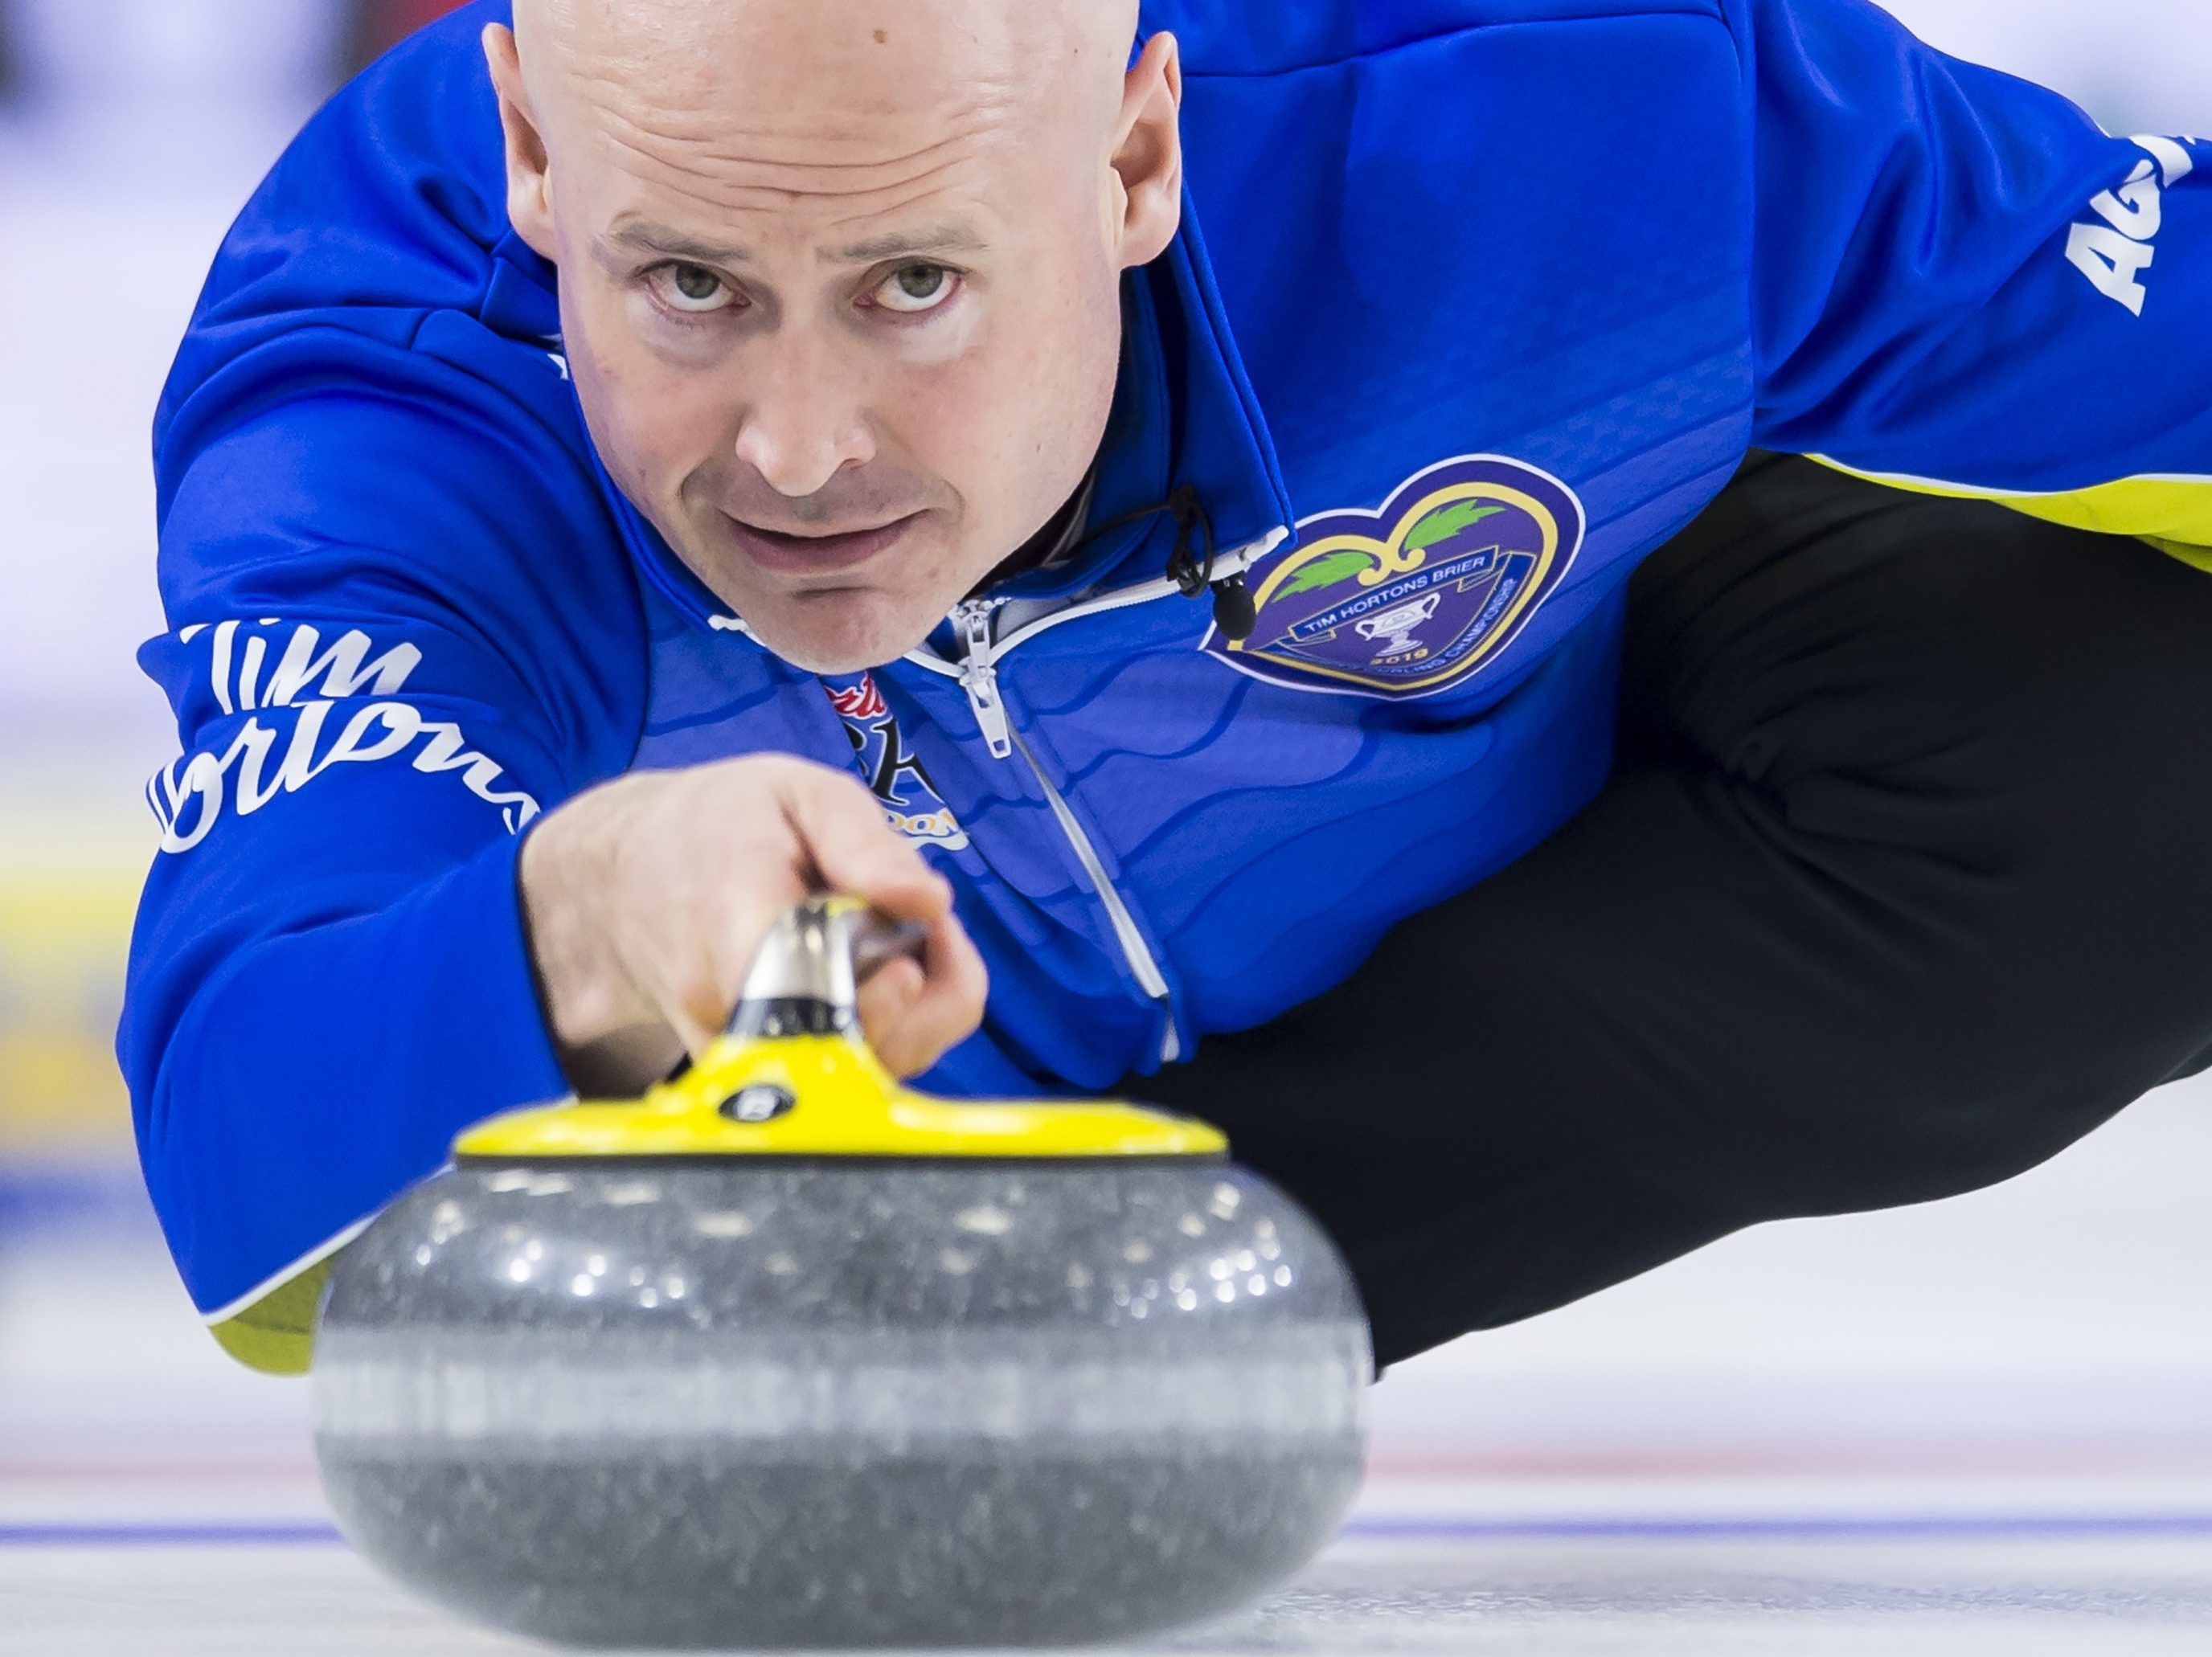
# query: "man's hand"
646,897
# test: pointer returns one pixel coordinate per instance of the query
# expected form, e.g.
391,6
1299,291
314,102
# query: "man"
632,470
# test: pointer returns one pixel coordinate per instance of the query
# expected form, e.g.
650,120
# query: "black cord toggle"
1233,609
1234,612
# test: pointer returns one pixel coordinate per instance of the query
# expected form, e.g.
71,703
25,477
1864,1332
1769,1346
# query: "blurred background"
2061,1316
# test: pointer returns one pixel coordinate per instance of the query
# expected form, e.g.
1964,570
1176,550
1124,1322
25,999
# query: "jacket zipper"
978,673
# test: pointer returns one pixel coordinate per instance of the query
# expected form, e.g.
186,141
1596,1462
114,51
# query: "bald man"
1152,498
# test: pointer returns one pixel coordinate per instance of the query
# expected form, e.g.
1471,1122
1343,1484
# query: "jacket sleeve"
387,659
1961,285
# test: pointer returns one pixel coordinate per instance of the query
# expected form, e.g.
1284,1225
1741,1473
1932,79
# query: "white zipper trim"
1234,562
978,673
1134,950
979,677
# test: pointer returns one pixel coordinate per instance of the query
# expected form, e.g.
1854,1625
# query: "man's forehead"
719,127
834,54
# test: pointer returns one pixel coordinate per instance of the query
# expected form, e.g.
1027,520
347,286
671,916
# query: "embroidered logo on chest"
895,773
1416,596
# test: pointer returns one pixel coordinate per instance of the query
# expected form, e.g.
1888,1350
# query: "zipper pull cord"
1234,612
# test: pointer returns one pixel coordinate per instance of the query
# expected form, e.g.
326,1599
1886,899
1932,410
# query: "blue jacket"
1474,302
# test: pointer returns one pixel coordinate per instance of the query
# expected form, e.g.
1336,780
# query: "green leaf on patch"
1447,521
1328,571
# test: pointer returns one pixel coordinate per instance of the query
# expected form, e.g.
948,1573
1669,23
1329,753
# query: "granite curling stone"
785,1354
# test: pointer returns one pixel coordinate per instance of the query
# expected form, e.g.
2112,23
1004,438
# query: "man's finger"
937,1007
840,825
886,1000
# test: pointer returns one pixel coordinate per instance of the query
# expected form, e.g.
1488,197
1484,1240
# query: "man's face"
840,279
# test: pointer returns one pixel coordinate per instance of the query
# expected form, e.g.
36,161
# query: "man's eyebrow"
950,237
649,237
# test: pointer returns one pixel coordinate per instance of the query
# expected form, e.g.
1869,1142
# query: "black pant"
1903,882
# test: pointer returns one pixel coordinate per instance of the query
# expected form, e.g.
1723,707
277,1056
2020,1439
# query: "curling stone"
784,1354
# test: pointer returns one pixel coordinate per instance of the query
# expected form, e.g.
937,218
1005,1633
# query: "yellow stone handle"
793,1077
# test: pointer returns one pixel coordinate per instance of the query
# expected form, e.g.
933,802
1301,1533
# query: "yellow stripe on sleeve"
275,1334
2174,514
272,1328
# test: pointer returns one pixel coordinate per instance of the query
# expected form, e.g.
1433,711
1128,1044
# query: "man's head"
829,265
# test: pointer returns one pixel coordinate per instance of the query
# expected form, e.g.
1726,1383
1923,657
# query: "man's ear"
529,183
1148,152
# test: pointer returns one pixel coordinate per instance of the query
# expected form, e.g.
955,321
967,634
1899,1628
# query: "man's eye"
692,288
913,289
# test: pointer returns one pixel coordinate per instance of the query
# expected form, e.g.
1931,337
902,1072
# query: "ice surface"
1975,1427
2131,1599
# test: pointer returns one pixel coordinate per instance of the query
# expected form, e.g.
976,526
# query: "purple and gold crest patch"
1414,597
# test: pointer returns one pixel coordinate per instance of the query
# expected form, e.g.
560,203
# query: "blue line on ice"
167,1536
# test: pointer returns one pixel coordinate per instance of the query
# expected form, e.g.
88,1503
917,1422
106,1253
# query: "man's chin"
838,633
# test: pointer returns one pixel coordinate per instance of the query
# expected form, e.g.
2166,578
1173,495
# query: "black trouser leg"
1903,882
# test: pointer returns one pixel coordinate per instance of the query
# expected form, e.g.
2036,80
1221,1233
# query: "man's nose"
802,420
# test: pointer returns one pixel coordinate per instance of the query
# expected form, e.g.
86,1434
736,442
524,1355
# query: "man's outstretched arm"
330,973
400,641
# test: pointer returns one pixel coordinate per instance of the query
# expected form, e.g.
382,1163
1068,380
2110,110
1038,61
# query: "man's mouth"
788,554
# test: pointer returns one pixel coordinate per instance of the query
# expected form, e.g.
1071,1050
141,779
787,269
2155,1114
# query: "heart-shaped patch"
1414,597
